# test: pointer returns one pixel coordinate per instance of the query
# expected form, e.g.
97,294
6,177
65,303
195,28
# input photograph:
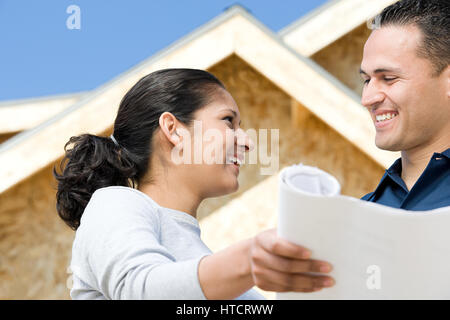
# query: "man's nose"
372,95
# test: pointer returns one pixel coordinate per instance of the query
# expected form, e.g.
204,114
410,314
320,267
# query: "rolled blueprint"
377,252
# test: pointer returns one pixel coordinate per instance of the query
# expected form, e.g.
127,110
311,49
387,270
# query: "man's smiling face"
409,105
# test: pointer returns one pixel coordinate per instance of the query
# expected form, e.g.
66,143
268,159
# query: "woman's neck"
173,196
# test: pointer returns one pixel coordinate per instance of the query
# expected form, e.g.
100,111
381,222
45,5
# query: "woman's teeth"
235,161
385,116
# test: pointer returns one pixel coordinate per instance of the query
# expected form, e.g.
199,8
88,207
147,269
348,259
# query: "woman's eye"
230,119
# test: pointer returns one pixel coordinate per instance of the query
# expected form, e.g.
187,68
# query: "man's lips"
383,117
378,112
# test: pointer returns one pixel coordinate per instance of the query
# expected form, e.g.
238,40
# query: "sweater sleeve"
119,240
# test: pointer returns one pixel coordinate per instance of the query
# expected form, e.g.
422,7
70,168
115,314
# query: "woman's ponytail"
91,163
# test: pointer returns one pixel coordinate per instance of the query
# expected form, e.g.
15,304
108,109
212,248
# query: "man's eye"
389,79
366,81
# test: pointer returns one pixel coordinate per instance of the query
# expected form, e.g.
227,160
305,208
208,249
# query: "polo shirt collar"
394,173
391,174
446,153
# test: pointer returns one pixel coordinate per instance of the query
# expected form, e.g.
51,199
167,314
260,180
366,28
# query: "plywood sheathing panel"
34,243
343,58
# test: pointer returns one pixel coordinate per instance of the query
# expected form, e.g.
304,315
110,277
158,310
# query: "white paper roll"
377,252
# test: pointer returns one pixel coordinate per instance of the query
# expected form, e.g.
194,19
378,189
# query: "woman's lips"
236,167
235,162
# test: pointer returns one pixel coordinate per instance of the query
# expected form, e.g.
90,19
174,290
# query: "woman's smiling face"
217,145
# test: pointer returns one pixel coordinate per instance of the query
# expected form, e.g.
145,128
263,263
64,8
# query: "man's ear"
168,124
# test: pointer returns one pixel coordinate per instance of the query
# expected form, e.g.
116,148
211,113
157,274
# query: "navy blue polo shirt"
431,191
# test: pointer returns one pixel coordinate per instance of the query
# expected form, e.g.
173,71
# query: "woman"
133,203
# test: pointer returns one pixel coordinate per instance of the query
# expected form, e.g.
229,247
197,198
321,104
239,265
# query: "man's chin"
387,146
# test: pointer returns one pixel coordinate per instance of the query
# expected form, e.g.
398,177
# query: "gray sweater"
129,247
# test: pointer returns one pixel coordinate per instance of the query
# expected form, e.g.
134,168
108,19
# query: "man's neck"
415,161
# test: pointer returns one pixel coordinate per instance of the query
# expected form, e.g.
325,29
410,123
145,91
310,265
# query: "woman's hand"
267,261
279,265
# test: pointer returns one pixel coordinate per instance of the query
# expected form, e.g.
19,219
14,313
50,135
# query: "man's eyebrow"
380,70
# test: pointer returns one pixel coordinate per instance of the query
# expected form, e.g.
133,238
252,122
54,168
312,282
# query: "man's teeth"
385,116
235,161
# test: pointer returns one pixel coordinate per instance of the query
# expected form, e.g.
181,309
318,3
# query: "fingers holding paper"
281,266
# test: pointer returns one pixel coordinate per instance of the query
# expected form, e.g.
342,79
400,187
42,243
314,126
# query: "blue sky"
40,56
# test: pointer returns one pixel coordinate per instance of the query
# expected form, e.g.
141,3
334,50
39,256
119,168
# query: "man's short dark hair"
432,17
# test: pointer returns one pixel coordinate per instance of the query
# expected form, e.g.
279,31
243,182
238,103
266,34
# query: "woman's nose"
243,140
250,145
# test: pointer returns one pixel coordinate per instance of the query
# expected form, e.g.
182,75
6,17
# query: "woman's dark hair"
432,17
96,162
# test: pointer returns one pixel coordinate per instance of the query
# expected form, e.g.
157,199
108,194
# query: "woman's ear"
168,124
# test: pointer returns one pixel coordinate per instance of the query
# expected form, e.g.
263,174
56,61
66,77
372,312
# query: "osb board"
34,243
342,58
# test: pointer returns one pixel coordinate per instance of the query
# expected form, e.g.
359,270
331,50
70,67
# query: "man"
406,75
